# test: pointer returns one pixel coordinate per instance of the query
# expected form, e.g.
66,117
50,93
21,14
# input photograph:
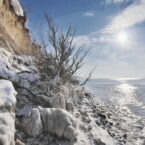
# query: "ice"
7,93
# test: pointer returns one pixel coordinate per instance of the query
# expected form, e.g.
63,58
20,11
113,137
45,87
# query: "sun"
122,38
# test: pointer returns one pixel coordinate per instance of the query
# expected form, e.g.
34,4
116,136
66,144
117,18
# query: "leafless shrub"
65,59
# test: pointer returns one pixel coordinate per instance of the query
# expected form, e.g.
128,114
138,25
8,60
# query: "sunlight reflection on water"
121,93
126,88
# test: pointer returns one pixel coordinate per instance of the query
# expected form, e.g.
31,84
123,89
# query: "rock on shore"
52,120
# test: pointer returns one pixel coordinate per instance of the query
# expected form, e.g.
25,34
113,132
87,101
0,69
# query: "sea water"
123,93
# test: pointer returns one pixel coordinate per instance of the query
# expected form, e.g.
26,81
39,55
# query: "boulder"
7,94
34,124
59,122
55,121
7,128
101,137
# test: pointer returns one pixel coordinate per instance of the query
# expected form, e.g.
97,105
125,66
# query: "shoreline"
97,122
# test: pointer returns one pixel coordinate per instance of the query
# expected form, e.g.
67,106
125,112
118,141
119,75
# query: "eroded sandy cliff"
12,27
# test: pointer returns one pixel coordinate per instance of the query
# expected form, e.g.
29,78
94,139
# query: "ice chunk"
7,128
7,93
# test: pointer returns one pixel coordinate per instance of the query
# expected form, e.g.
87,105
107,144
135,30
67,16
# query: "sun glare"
122,38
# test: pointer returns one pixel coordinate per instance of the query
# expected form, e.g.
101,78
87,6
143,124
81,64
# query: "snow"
52,120
12,65
7,93
7,128
17,7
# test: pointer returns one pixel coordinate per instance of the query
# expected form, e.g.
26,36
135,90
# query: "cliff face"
12,27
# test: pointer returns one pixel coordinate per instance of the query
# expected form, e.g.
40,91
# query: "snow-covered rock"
7,129
55,121
34,126
101,137
7,93
17,68
17,7
59,122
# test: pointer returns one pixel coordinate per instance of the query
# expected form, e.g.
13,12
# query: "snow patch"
7,128
17,7
7,93
12,67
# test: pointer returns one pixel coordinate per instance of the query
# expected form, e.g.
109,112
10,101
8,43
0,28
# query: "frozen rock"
7,94
6,71
86,101
17,7
55,121
71,133
100,136
13,68
7,128
59,122
34,125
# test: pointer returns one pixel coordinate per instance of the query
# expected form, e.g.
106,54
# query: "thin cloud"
106,56
131,16
115,1
89,14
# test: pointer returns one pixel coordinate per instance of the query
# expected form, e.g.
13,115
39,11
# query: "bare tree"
65,58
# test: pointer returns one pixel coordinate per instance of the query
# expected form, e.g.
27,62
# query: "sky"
113,30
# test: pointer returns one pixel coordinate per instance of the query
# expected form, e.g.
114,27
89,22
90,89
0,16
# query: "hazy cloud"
131,16
89,14
115,1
